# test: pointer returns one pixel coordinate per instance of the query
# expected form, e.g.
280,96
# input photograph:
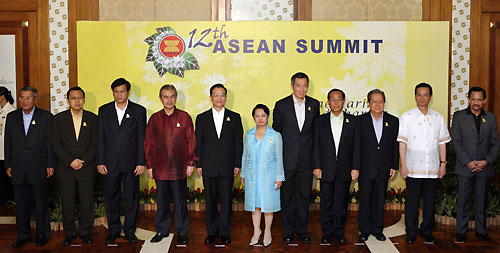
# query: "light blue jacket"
270,164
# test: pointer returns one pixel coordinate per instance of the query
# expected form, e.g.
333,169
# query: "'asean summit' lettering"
256,46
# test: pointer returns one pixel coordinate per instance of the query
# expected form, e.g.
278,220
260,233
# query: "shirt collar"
340,117
429,111
381,116
165,114
78,115
295,101
215,112
118,108
31,113
469,111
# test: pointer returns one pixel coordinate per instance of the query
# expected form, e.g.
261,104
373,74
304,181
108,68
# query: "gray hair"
32,89
373,92
168,87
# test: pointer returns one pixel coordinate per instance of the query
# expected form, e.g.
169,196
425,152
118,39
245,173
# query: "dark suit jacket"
219,157
285,122
348,158
30,155
469,145
378,158
67,148
121,147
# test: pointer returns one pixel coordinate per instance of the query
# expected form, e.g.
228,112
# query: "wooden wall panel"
36,13
78,10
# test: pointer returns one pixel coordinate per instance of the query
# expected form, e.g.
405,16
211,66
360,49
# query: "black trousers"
218,223
333,207
295,200
371,205
5,185
131,196
23,194
68,199
467,186
416,188
177,188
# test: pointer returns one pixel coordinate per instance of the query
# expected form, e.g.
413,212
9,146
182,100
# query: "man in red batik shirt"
170,146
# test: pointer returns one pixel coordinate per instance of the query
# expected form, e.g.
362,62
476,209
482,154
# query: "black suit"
377,159
469,145
218,157
67,148
121,148
29,156
297,160
336,170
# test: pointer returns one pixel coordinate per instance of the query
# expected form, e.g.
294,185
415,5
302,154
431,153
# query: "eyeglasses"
216,95
336,99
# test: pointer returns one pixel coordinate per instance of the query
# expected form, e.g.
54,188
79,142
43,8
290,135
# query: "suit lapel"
127,116
308,114
369,120
33,122
213,129
329,132
345,125
483,123
471,124
71,125
291,108
224,122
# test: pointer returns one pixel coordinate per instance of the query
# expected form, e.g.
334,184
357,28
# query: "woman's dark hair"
6,92
260,106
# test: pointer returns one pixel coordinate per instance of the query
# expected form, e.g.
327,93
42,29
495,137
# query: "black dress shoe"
325,239
460,237
131,238
111,238
158,237
41,240
86,239
305,238
429,238
484,237
183,239
410,239
341,239
210,239
288,238
20,242
225,240
379,236
363,237
68,240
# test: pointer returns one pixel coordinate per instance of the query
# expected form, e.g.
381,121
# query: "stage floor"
242,231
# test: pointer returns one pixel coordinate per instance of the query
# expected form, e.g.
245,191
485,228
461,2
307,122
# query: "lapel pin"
309,108
271,140
33,122
484,120
84,124
346,120
178,124
386,124
128,116
228,119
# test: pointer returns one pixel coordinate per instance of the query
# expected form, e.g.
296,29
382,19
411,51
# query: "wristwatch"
445,162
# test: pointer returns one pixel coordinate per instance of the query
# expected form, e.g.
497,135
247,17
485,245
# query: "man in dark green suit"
74,142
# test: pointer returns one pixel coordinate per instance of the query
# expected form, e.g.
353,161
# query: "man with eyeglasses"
219,139
337,151
30,161
474,135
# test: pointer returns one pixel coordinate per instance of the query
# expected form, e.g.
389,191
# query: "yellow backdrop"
255,61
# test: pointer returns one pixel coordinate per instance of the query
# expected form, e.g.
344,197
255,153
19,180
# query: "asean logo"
168,53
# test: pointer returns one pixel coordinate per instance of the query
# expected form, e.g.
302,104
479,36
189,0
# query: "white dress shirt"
300,111
218,120
336,124
120,113
378,126
422,134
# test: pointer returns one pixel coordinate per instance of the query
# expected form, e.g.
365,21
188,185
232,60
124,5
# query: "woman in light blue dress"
262,173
